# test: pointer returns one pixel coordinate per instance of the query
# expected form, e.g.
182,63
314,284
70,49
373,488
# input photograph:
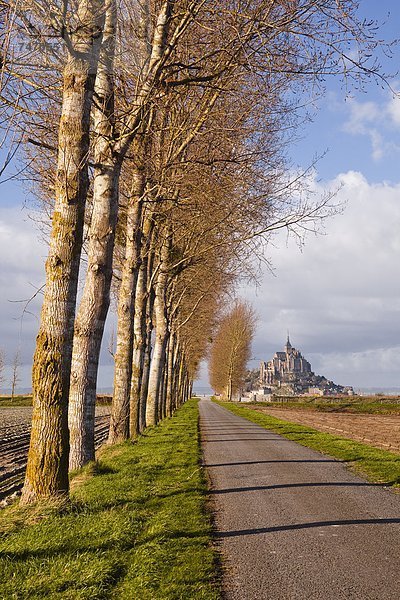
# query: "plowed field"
381,431
15,425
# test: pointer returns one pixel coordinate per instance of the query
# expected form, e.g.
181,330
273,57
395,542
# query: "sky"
339,296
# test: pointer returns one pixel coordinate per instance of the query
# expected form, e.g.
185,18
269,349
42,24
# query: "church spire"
288,344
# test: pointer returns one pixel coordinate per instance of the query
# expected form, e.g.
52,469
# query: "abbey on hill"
289,373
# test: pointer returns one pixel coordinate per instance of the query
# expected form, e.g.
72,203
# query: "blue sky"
340,296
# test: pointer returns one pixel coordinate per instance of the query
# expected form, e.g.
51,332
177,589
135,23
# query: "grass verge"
136,528
8,402
379,466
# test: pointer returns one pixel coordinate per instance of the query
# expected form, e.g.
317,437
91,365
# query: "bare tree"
231,348
47,468
15,372
2,368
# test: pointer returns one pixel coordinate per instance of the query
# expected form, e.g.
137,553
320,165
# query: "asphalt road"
292,523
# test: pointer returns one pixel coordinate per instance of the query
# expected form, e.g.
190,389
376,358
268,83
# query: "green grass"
136,528
370,407
7,401
378,466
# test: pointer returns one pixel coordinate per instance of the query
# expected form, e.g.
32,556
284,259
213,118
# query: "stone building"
285,367
289,372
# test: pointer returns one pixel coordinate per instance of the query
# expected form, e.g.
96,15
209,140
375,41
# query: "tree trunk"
170,375
119,423
93,308
139,349
157,363
180,384
162,396
146,374
47,468
161,338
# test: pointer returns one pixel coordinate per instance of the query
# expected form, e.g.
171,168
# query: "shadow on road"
268,462
260,530
281,486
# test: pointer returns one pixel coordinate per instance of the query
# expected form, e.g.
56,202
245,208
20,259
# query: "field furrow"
14,444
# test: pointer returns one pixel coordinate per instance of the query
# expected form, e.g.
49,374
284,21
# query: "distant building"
285,367
289,372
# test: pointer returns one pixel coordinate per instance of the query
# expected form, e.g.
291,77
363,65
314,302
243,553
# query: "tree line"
154,135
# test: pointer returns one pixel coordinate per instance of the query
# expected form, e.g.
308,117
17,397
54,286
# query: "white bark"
119,424
161,338
146,363
139,349
47,468
93,308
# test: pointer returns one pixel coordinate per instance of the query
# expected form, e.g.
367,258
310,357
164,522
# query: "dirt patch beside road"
381,431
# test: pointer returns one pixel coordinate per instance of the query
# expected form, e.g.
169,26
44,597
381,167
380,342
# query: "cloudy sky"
339,297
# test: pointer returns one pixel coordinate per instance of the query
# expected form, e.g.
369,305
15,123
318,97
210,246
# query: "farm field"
379,430
15,424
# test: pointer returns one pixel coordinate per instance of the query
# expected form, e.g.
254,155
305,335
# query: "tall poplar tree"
231,350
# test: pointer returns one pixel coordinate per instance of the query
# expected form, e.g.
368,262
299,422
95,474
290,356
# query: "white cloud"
393,109
23,254
361,115
22,273
375,120
362,369
340,296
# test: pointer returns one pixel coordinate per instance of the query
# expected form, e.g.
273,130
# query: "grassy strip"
137,527
7,401
361,407
377,465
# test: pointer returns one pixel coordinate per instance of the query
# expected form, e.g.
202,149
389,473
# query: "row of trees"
153,133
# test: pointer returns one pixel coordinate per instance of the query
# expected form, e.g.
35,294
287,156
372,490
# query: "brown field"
15,424
381,431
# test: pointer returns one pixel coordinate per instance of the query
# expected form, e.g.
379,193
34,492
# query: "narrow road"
292,523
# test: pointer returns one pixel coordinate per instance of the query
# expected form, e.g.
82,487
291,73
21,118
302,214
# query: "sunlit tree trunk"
181,381
93,308
161,338
162,410
47,468
139,343
119,423
175,388
169,409
157,362
146,362
139,348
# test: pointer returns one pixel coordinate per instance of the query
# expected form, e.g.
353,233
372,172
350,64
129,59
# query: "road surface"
292,523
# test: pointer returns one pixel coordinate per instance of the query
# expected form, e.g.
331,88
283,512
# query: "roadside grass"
372,407
7,401
137,527
379,466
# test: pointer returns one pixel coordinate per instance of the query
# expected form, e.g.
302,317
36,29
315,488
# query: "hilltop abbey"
289,372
